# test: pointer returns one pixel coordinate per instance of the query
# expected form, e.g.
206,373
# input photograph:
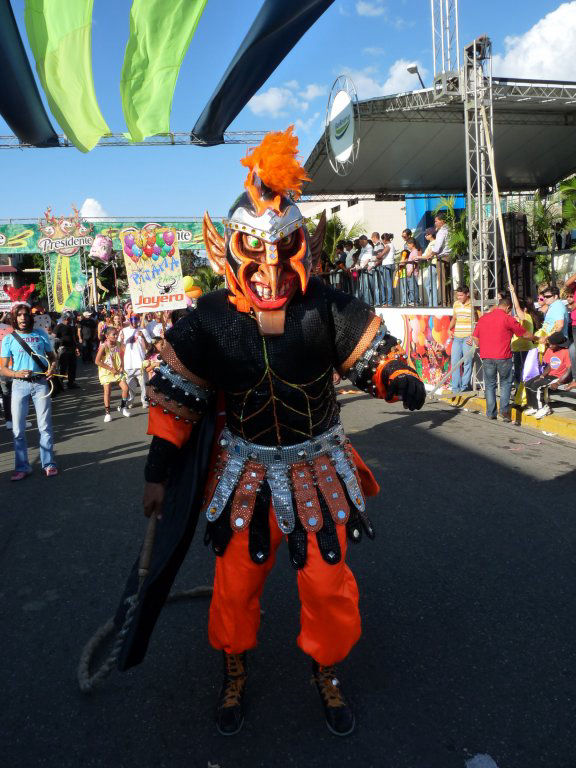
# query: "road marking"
481,761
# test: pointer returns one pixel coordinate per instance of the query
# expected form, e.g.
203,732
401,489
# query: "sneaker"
50,471
8,425
529,412
144,405
541,412
229,710
339,716
107,418
15,476
126,412
119,408
506,417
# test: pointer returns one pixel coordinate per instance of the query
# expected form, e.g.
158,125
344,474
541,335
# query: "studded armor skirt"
311,485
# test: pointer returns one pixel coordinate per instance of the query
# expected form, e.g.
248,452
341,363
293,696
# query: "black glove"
409,389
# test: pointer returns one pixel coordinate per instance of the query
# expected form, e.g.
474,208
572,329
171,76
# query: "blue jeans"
493,367
572,352
462,374
374,276
387,273
22,393
432,285
412,289
366,291
402,286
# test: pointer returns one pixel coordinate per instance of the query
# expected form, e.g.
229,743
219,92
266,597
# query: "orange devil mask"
266,255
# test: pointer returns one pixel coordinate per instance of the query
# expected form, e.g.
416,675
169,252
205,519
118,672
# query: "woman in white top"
366,264
386,269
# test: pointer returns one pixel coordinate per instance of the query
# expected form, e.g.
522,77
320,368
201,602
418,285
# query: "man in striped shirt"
461,327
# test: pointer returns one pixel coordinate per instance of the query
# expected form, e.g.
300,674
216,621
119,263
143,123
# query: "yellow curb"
557,425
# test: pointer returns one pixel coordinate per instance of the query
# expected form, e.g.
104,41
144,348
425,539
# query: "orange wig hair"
275,162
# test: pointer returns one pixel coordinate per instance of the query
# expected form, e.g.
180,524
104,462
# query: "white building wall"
371,215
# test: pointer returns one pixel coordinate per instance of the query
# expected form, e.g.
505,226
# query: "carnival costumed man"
281,466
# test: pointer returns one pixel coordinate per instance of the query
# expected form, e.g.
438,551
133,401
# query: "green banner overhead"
160,34
34,237
60,35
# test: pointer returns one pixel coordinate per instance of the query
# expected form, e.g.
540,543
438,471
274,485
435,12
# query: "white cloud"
313,91
401,24
274,102
544,51
370,8
312,123
277,101
343,11
368,85
399,79
370,51
92,209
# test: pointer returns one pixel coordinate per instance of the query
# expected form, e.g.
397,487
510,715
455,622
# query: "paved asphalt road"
468,604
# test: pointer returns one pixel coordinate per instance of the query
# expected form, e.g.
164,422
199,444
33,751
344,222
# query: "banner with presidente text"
29,237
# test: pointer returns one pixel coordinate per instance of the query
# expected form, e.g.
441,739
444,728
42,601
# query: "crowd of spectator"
39,355
510,338
372,269
534,349
521,342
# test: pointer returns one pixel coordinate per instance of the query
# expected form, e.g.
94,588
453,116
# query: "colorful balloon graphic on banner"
152,245
153,268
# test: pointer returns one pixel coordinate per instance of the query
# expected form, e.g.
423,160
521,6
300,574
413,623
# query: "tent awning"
412,144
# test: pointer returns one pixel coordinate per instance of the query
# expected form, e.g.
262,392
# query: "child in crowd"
152,359
111,371
556,371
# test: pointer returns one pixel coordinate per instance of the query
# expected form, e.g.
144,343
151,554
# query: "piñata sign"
153,268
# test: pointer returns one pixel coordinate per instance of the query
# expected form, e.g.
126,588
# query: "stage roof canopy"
414,144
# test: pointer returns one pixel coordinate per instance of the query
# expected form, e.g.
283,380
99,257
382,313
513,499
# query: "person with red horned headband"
278,466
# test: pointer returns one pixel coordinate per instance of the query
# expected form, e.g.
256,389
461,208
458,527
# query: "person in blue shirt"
557,317
29,382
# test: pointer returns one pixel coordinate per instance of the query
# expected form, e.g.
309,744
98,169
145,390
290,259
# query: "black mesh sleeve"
191,345
161,456
350,318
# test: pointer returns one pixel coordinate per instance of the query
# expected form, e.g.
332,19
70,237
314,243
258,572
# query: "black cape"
174,535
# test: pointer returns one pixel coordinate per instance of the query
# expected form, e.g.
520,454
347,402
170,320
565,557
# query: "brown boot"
229,710
339,716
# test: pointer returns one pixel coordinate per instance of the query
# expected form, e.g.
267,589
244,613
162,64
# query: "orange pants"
329,617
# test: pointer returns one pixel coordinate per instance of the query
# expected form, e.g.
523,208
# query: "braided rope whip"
87,680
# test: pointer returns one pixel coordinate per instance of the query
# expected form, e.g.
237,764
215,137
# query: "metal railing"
372,286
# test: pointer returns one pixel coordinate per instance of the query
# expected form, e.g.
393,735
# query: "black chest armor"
278,389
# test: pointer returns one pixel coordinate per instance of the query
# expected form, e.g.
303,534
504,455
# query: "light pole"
415,71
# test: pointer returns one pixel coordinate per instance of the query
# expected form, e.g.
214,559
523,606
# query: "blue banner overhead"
275,31
20,103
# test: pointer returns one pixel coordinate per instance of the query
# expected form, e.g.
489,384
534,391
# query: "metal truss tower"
446,47
476,84
471,84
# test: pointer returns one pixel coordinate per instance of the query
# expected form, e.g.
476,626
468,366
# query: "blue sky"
372,40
